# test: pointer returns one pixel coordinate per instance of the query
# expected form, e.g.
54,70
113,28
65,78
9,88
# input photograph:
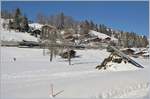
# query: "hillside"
16,36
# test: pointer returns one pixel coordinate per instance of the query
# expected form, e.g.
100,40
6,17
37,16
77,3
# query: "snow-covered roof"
146,54
101,35
134,49
36,25
98,34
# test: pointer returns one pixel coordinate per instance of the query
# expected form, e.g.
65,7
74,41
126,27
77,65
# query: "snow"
137,50
98,34
5,20
36,26
16,36
121,67
62,32
145,54
32,74
102,35
114,39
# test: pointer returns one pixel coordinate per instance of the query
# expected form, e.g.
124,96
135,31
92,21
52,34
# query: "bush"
71,52
109,49
119,60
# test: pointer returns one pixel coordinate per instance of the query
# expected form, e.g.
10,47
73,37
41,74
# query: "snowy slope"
16,36
31,76
12,35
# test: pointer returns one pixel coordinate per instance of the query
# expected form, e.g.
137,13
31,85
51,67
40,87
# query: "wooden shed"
46,32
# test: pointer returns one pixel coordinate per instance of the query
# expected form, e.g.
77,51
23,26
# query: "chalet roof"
146,54
127,51
49,26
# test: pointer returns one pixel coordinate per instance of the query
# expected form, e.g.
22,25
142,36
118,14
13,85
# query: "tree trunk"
69,57
51,54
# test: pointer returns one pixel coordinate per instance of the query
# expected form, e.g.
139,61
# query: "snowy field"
32,74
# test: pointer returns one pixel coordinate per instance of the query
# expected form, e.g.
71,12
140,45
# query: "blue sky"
126,15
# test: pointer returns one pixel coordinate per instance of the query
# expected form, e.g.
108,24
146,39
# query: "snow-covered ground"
32,74
16,36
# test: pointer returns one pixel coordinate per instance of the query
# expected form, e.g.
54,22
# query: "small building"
140,53
107,40
96,39
47,32
145,55
68,35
